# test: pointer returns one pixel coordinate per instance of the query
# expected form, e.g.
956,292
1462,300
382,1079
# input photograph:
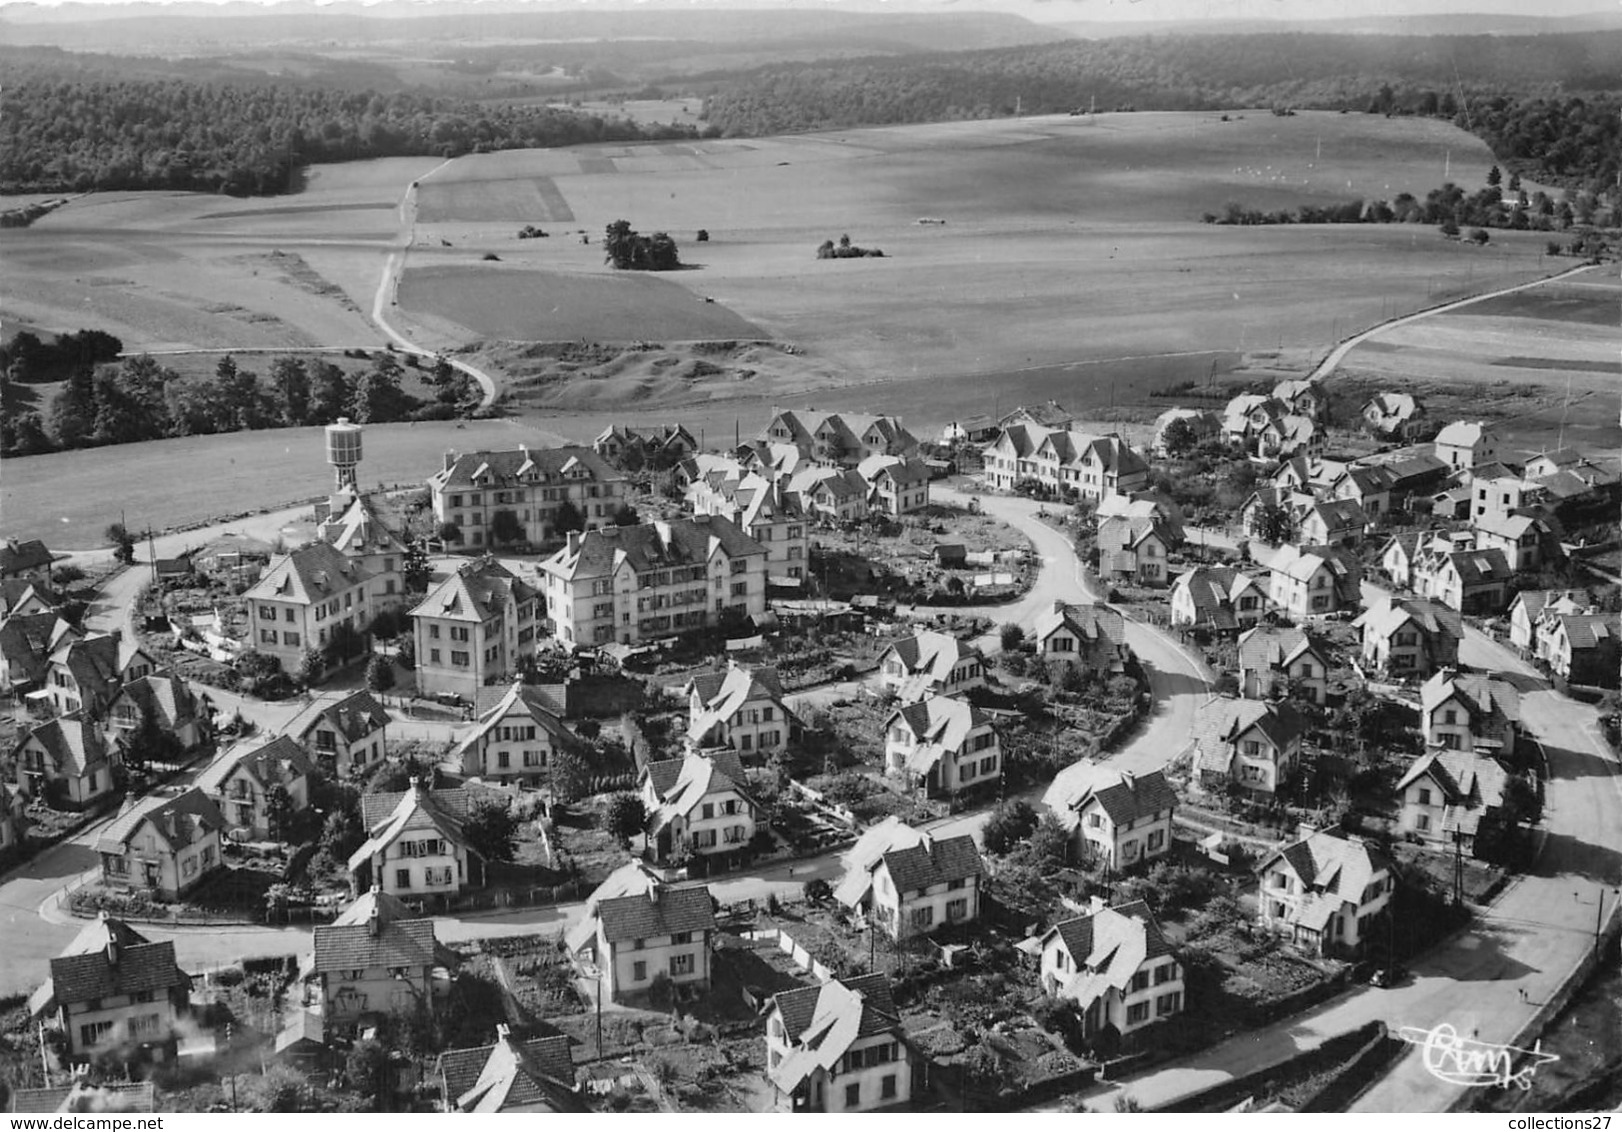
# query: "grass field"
549,306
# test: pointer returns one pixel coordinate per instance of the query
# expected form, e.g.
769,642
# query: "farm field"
1557,337
68,498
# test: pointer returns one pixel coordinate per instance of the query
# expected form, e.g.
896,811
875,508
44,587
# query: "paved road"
1528,940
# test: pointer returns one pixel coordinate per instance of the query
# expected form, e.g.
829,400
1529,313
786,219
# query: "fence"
842,814
794,950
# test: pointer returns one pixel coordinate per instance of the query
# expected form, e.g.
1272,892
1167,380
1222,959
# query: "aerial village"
839,770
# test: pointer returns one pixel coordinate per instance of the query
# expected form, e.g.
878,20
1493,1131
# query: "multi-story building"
29,561
540,493
415,845
1529,607
839,1047
1452,798
113,990
86,673
375,960
931,664
1091,636
66,762
304,599
1116,966
943,746
1326,892
1470,581
352,528
259,784
829,494
1135,548
631,584
27,641
841,439
762,509
164,701
1470,712
742,709
1464,444
1252,744
1217,599
1527,542
1409,637
1313,581
1126,822
516,740
1070,463
1275,659
1582,648
473,629
626,942
896,485
1394,416
698,806
536,1075
921,884
343,732
164,846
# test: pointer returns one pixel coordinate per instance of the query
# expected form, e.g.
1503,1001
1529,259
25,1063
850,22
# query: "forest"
1503,88
94,132
140,399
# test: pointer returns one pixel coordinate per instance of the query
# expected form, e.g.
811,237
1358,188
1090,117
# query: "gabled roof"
525,701
1464,434
1465,778
1212,590
357,530
1131,797
523,465
1434,620
652,546
74,747
634,878
940,725
85,1097
823,1021
861,858
535,1075
96,663
1338,513
900,469
386,906
1267,647
1508,526
1555,601
180,821
167,698
682,784
276,761
1109,947
118,969
1225,721
1587,630
723,694
353,716
1482,696
1479,567
661,911
475,593
17,592
28,640
308,576
96,936
18,557
1131,531
399,943
933,862
1089,622
1337,866
932,654
388,816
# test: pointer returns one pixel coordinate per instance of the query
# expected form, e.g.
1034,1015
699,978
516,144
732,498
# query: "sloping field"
69,498
544,305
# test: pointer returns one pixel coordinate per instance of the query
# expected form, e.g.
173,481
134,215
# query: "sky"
1052,11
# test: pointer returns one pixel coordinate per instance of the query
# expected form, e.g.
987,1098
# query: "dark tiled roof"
400,943
456,803
144,967
939,862
309,575
474,593
655,546
661,912
354,717
15,557
523,465
1134,797
665,772
550,1059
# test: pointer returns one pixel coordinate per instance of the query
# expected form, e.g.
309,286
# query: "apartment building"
303,599
473,629
534,488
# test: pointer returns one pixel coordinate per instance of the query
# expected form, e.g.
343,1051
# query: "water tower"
343,451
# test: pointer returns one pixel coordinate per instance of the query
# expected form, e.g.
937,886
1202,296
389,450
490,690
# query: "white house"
742,709
1404,638
245,780
1447,796
1116,966
930,663
1252,744
1470,712
943,745
415,845
344,732
1127,822
1273,658
516,740
839,1047
698,806
1091,636
1464,444
1217,599
913,890
627,941
1326,892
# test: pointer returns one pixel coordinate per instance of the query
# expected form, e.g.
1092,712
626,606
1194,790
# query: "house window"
1168,1003
887,1088
402,878
957,910
1422,823
1136,1013
639,972
681,964
1140,980
923,917
1157,838
1165,973
853,1094
1424,796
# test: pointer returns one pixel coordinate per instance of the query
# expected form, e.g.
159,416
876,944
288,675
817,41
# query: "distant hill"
1422,24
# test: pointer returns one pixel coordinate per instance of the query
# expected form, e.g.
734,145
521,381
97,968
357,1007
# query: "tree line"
90,132
141,399
1503,90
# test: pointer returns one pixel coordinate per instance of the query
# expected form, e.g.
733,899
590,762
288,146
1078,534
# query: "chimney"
1131,780
653,893
374,923
450,459
1304,830
502,1032
112,952
574,542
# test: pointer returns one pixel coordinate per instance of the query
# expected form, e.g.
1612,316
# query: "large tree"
490,830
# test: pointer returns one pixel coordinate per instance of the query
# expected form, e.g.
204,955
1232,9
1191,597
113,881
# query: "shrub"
1010,823
1011,636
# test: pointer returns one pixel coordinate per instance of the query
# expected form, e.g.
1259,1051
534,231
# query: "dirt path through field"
1338,354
